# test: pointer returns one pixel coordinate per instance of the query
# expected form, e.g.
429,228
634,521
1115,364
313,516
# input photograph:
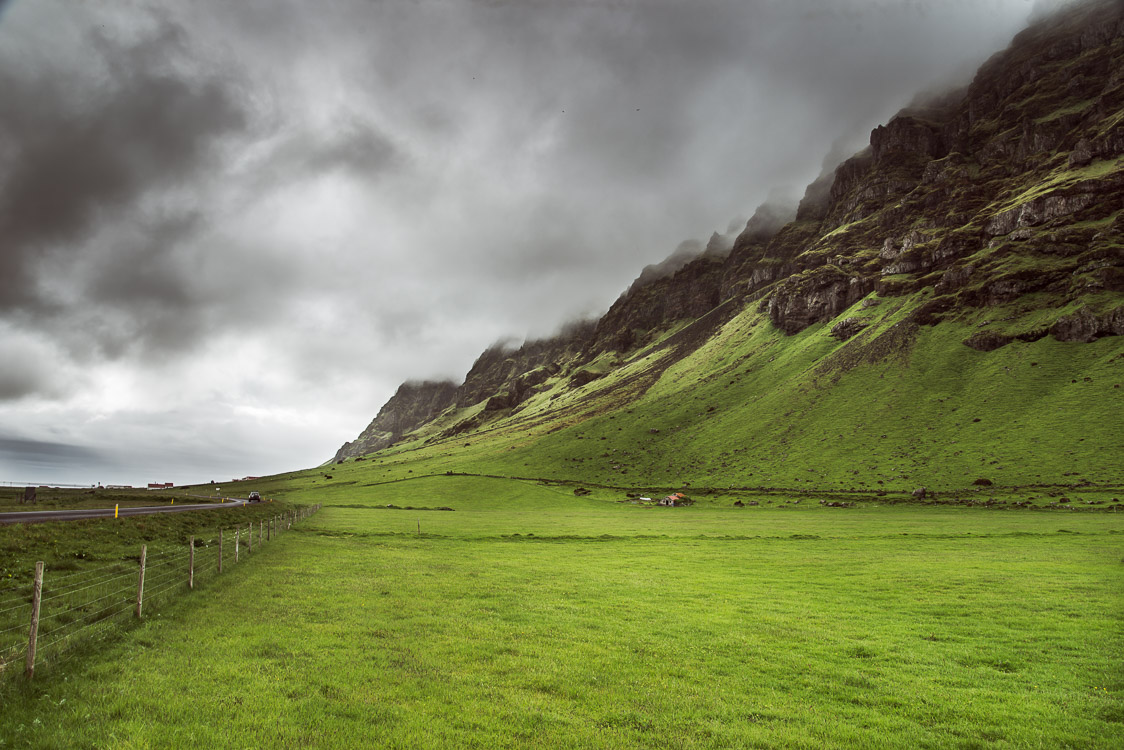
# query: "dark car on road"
255,497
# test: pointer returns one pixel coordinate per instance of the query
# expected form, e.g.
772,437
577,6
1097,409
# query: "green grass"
91,570
70,546
894,408
1063,177
1069,109
531,617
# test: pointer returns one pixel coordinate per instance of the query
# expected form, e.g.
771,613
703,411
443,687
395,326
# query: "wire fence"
44,622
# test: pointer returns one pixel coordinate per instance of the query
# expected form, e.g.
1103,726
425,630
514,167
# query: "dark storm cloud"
145,270
144,290
284,209
83,145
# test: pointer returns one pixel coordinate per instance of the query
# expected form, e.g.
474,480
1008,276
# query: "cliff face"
506,377
1008,188
690,292
1007,192
412,405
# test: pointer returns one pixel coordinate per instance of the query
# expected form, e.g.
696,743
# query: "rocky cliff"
504,377
412,405
1006,194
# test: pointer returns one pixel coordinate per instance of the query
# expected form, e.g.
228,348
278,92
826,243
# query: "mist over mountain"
233,229
978,219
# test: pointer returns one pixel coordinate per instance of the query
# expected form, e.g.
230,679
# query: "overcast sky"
229,230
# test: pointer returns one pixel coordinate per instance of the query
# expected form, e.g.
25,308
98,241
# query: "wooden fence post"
220,550
140,579
261,531
191,564
36,596
250,538
236,533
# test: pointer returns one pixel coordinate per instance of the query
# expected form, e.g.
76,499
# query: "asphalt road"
39,516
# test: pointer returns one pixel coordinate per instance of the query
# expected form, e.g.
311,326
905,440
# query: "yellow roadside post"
115,508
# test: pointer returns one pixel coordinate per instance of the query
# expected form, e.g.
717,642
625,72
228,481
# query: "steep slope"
968,261
412,405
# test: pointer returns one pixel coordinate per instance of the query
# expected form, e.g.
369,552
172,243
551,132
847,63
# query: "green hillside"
894,408
946,306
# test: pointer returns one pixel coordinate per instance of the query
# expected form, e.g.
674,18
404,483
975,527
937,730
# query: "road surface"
39,516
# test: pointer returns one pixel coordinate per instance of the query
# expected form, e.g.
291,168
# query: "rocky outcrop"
1037,211
907,135
513,373
848,327
691,292
940,170
817,197
1085,325
814,296
412,405
954,278
687,251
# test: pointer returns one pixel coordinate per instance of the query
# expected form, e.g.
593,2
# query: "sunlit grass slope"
897,407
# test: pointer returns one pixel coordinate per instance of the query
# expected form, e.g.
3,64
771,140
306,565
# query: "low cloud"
292,209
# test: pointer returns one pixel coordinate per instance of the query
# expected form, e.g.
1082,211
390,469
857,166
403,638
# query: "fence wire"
77,608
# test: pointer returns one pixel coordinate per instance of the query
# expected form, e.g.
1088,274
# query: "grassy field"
501,589
526,616
91,571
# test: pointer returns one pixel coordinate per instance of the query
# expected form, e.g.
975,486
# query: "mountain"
946,299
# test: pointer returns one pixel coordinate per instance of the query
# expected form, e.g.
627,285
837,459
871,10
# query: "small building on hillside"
672,500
